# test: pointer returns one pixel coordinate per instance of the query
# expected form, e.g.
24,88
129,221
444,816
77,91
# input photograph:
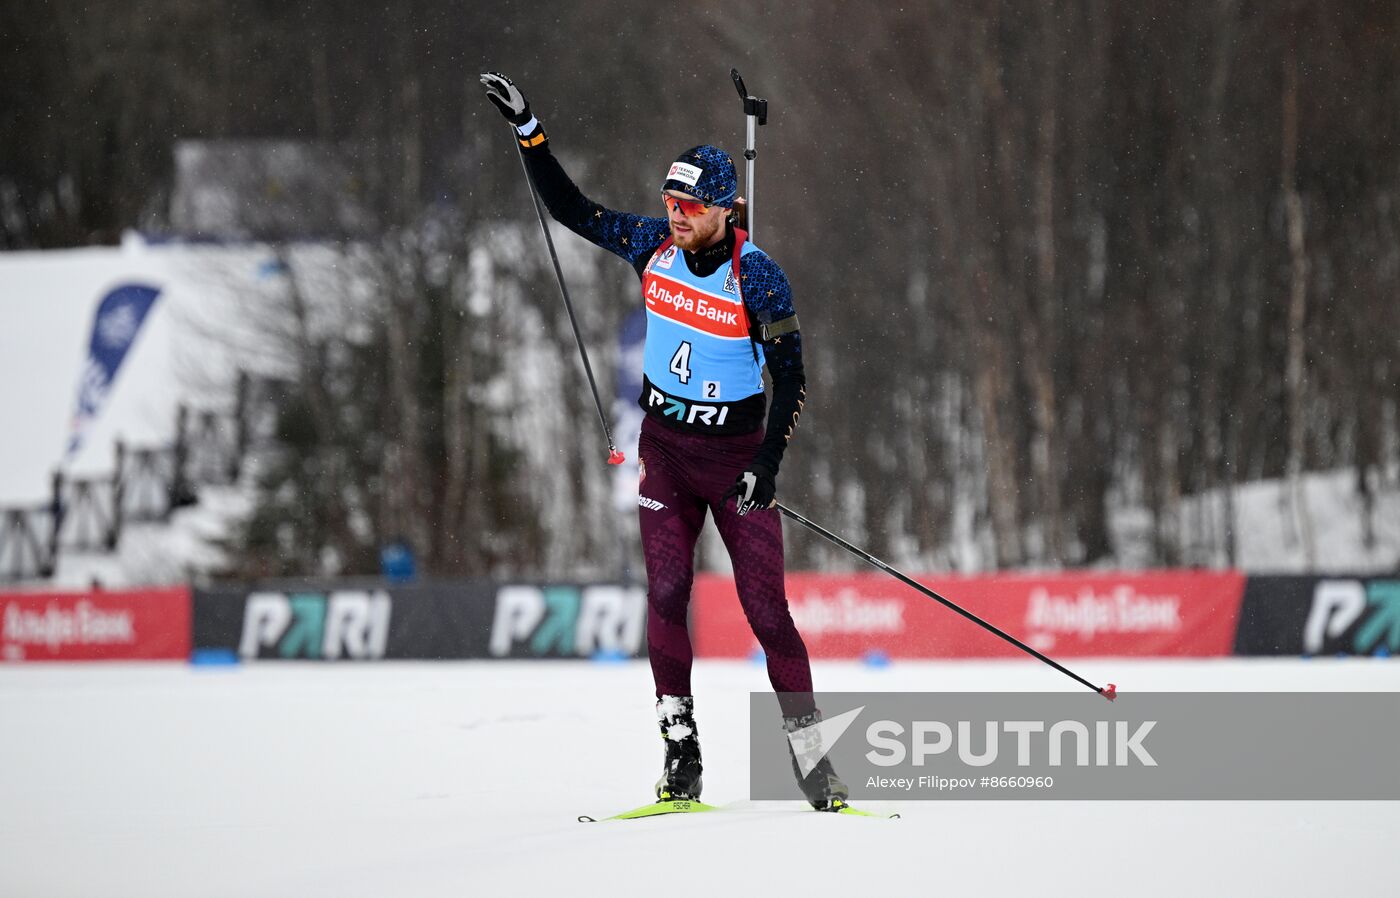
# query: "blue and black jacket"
767,296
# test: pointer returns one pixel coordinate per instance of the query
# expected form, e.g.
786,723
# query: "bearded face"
695,232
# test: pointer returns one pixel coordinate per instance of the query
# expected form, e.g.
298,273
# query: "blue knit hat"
706,173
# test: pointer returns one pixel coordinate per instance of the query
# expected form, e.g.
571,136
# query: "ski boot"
680,777
822,787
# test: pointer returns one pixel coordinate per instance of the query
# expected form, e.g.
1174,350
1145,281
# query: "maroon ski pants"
683,476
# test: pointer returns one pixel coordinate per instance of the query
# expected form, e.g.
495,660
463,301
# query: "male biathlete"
718,310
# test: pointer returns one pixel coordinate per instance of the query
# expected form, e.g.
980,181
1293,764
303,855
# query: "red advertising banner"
1183,614
145,624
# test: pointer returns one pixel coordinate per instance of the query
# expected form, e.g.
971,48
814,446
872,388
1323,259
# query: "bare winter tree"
1063,272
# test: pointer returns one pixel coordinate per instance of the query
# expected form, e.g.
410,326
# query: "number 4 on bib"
680,363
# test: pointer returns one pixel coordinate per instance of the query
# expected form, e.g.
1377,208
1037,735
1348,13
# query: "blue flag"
119,318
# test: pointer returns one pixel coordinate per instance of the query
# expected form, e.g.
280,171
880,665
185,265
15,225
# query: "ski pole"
1109,692
615,456
756,113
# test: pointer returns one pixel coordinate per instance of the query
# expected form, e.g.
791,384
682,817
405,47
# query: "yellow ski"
688,806
656,809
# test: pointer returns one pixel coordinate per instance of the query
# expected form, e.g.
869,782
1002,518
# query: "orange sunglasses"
688,208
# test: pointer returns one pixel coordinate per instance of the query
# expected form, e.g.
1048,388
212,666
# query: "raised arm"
633,237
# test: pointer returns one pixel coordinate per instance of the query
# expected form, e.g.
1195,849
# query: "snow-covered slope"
465,779
188,351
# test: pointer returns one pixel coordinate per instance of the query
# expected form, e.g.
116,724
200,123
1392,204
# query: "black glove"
757,487
507,97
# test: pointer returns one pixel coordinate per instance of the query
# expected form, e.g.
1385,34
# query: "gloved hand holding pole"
507,98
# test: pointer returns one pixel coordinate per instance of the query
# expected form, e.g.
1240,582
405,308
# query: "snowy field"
464,779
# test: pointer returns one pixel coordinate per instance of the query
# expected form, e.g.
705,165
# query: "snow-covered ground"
460,779
1270,540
